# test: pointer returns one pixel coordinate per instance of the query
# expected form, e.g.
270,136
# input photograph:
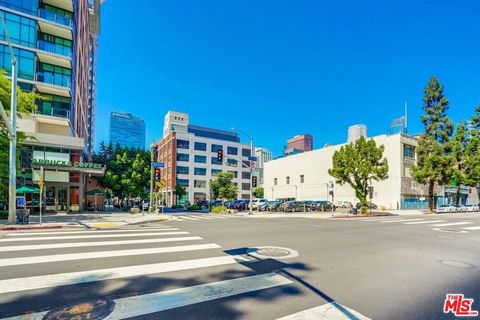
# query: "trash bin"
354,210
23,216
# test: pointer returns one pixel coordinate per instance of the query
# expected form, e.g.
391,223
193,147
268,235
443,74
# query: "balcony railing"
54,48
56,112
53,78
55,17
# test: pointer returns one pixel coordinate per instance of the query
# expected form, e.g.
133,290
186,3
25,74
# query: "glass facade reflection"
127,130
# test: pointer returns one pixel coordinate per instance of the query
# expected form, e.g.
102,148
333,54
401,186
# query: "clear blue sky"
280,68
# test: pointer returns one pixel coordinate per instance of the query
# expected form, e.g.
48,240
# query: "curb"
31,228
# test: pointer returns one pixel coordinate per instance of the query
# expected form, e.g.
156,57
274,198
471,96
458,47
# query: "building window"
25,62
56,75
245,196
200,159
21,30
215,161
216,147
214,172
200,183
246,152
408,151
245,186
232,162
182,183
245,175
232,151
26,6
246,163
182,170
200,146
182,157
235,173
183,144
200,171
275,181
302,178
288,180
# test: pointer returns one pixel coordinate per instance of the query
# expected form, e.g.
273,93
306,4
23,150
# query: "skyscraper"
127,130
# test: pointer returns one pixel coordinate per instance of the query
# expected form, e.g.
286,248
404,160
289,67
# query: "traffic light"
157,174
220,156
254,181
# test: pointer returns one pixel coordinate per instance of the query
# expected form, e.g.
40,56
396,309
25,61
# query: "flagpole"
405,124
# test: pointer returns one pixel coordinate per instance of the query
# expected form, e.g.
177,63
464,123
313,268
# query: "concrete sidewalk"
86,220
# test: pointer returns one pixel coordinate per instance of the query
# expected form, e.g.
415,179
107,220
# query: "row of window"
201,146
203,184
203,172
287,180
213,160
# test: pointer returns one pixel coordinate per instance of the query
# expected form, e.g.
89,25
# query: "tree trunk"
457,199
478,193
431,186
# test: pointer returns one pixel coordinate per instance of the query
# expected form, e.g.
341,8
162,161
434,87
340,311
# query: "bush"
3,214
194,207
218,209
177,206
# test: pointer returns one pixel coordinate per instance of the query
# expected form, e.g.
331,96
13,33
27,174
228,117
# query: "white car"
257,203
445,208
471,208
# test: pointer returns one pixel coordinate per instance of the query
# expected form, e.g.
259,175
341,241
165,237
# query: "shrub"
218,209
194,207
3,214
177,206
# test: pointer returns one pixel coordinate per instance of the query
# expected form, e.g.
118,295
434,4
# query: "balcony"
55,112
55,17
54,79
54,48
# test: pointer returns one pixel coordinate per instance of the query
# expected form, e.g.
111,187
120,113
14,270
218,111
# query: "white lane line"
377,220
91,231
129,235
93,244
102,254
178,219
188,218
451,224
471,228
333,310
71,278
425,222
202,217
165,300
403,220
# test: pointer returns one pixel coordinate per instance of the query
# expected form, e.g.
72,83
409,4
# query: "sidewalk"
86,221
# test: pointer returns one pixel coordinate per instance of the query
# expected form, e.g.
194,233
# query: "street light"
12,129
250,168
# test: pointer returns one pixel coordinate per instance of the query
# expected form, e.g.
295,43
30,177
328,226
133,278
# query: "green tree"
456,149
179,192
434,165
258,192
25,106
356,164
222,186
472,158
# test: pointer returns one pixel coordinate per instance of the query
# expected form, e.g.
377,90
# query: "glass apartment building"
127,130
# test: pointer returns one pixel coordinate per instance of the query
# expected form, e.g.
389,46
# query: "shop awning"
97,192
28,189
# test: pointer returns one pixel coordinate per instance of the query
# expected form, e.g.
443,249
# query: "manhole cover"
458,264
450,230
272,252
85,311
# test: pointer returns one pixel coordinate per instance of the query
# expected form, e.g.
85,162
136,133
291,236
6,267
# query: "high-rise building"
190,153
262,155
298,144
356,131
127,130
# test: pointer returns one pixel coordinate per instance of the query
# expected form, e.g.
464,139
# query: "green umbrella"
95,192
28,189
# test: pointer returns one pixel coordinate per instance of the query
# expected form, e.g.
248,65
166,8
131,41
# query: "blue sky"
280,68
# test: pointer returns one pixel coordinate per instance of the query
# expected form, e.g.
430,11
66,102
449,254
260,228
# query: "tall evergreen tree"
472,158
456,149
433,164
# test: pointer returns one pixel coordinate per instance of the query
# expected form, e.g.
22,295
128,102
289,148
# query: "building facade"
127,130
189,153
356,131
262,155
300,143
305,177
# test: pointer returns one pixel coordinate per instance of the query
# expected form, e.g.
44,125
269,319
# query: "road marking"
189,218
377,220
71,278
178,219
93,244
333,310
402,220
202,217
165,300
425,222
451,224
96,236
102,254
471,228
90,231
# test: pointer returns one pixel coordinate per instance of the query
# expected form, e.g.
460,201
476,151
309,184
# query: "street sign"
161,184
252,165
370,192
20,202
252,158
157,165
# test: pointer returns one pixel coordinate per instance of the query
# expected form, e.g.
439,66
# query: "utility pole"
150,207
250,168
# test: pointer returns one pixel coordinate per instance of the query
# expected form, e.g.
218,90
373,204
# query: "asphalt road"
197,268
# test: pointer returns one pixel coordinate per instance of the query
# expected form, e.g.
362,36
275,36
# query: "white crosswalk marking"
451,224
378,220
20,234
471,228
102,254
402,220
130,235
93,244
189,218
327,311
425,222
203,217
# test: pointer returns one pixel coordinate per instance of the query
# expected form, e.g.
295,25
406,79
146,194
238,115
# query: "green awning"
97,192
28,189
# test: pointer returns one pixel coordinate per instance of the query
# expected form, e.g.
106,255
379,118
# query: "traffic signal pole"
150,207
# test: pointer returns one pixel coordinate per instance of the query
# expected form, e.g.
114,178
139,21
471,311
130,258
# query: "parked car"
471,208
282,200
264,206
145,205
292,206
202,203
322,205
214,203
370,205
445,208
343,204
257,203
241,204
274,206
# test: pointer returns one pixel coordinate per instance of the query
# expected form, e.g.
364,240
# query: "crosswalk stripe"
471,228
425,222
203,217
189,218
165,300
102,254
377,220
93,244
403,220
451,224
71,278
178,219
91,231
130,235
333,310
